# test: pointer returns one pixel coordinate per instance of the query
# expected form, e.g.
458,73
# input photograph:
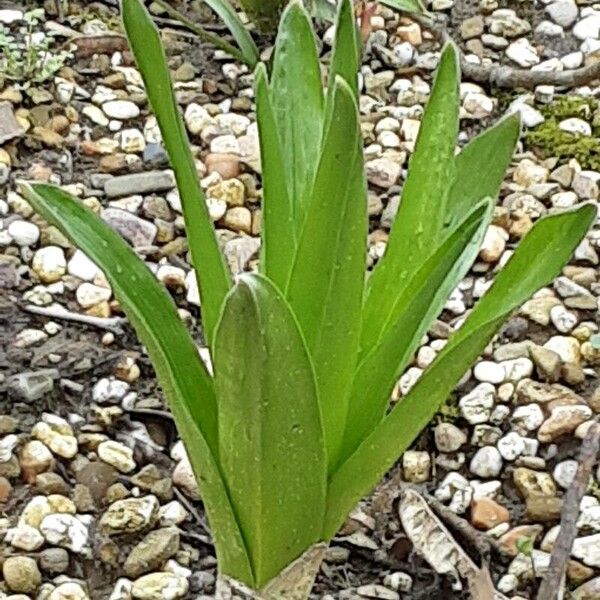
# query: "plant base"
293,583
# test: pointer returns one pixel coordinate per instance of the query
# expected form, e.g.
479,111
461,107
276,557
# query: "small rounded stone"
21,574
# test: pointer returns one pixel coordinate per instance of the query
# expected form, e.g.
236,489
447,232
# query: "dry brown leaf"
435,543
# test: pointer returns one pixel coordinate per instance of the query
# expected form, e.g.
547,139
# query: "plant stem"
295,582
202,33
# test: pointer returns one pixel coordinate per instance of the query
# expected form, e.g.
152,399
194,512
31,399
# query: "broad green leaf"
213,278
237,28
327,279
536,261
271,441
278,230
298,104
346,48
419,226
185,383
481,166
419,303
409,6
248,53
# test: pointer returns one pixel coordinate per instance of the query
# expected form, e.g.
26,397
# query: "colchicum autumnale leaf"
296,426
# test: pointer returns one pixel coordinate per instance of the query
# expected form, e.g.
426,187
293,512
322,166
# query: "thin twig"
503,76
554,578
192,509
202,33
484,544
56,311
204,539
152,412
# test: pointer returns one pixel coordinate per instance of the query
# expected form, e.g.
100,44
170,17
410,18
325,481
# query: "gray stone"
472,27
136,231
547,362
139,183
486,462
383,172
564,472
548,29
152,551
505,22
54,560
33,385
448,437
563,12
9,127
585,184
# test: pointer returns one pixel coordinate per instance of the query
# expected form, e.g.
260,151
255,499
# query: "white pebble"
486,462
24,233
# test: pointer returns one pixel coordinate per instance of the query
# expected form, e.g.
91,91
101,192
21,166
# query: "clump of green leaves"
296,426
26,56
550,141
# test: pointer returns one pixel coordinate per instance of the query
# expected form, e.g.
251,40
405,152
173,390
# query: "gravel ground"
97,499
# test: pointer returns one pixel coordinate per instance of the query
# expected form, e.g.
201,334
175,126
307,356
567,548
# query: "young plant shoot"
296,425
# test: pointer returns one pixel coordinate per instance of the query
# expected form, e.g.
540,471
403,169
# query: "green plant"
265,14
549,140
525,547
26,57
295,427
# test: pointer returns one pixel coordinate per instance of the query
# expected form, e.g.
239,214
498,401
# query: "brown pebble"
594,401
543,508
114,164
226,165
97,477
52,483
487,513
577,572
572,374
59,124
5,489
510,539
99,44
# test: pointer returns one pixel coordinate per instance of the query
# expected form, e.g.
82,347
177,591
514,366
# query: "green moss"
449,411
565,107
504,98
548,140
